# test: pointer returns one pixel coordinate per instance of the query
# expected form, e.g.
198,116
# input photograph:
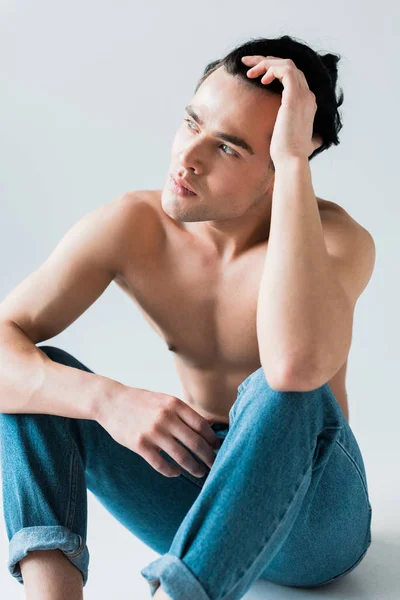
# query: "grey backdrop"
91,96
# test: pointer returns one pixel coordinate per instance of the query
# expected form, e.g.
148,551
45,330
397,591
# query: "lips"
183,183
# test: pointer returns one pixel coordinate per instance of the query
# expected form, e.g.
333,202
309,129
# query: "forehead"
225,102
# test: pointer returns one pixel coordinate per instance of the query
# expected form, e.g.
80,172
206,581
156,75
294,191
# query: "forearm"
30,382
297,292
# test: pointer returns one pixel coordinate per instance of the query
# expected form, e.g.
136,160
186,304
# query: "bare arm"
76,273
30,382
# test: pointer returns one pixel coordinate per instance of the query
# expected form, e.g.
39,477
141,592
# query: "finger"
152,455
303,80
192,440
255,71
180,455
286,75
268,77
263,64
252,60
197,423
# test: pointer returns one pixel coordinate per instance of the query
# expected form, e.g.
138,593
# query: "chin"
177,209
170,205
177,214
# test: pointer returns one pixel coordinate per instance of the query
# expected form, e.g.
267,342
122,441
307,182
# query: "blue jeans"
286,499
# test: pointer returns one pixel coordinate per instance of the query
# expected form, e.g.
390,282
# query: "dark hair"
320,72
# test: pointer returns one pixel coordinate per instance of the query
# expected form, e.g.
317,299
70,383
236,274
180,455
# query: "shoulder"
140,228
332,210
137,202
335,217
138,213
350,246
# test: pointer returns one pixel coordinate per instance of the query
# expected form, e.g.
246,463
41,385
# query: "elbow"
289,378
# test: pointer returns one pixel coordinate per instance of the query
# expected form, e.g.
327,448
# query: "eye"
189,121
232,152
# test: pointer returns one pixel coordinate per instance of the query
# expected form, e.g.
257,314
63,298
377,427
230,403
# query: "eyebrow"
227,137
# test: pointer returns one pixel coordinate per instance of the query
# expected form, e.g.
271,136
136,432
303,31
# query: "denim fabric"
286,499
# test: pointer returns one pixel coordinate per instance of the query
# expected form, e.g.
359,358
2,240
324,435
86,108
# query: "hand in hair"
292,135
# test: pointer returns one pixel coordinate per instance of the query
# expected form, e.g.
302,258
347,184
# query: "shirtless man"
192,263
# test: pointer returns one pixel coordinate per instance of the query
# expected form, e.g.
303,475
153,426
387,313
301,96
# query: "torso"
205,313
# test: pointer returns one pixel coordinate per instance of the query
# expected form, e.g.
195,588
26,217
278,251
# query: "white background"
91,96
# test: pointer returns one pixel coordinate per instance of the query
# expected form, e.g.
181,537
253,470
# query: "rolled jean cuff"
48,537
175,577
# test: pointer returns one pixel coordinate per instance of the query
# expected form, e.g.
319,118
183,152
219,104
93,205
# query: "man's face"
229,180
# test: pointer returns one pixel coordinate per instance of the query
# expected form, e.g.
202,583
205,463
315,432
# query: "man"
247,270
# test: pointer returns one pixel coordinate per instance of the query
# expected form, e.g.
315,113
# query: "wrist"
99,403
291,161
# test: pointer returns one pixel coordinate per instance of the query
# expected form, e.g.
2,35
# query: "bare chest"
206,314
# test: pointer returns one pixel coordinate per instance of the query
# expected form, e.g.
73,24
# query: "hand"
146,422
292,135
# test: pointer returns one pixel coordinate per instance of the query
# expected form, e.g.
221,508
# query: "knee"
257,377
256,397
253,389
